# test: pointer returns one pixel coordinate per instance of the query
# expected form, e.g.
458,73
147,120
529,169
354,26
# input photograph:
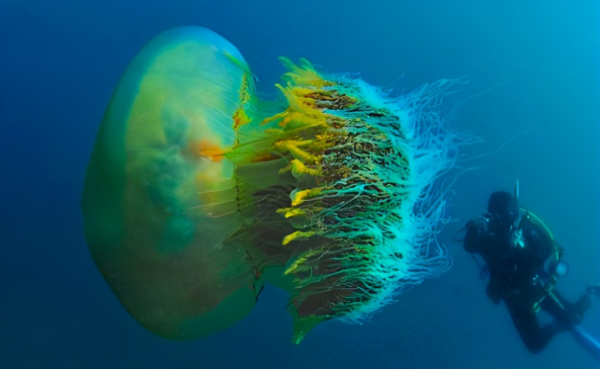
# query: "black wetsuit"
518,278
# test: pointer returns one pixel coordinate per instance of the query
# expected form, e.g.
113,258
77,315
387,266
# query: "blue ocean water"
535,62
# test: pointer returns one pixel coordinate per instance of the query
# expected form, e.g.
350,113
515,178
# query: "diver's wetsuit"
517,276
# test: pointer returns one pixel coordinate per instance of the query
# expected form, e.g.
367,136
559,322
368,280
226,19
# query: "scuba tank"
554,267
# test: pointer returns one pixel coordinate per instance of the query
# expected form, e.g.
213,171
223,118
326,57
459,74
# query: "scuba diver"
523,262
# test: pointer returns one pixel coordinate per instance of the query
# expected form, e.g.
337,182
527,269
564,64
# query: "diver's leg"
565,312
533,335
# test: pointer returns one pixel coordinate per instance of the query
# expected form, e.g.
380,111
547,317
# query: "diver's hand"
475,229
476,223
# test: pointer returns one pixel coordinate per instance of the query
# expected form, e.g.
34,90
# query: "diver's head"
503,208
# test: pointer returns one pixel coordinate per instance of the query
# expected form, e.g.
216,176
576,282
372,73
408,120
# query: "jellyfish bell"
159,198
198,193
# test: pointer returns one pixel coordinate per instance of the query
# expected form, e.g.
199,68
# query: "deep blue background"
60,61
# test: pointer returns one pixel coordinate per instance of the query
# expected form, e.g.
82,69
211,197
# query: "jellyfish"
198,193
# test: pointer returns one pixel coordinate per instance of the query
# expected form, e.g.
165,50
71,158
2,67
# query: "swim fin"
587,341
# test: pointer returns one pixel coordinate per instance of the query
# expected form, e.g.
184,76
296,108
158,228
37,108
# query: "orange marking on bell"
209,150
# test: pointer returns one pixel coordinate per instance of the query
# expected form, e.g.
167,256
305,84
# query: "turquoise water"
532,67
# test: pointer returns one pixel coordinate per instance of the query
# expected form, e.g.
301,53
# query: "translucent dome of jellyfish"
198,193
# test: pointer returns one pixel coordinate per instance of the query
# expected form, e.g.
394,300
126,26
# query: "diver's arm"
473,237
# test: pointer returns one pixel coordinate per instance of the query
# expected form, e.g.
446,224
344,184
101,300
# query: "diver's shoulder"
533,226
530,219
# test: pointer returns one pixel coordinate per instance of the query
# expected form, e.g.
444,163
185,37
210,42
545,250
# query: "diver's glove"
476,223
475,229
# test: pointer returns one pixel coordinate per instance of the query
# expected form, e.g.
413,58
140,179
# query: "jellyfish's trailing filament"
364,202
197,192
